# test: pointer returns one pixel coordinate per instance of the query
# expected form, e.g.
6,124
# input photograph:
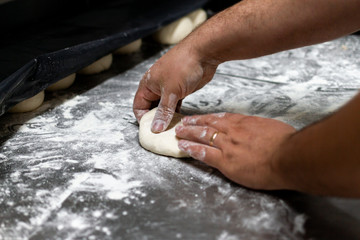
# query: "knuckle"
227,115
207,130
248,119
235,141
164,113
204,133
186,131
208,120
165,110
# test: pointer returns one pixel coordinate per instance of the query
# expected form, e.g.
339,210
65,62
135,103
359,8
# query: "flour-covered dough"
197,17
164,143
130,48
98,66
63,83
29,104
174,32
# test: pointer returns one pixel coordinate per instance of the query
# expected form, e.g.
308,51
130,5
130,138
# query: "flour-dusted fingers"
203,120
209,155
143,101
165,112
200,134
147,94
219,121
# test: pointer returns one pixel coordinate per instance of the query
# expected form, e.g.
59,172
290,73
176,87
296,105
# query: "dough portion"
197,17
130,48
164,143
98,66
29,104
175,31
63,83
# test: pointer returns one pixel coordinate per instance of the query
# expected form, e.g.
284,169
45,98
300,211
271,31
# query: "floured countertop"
74,169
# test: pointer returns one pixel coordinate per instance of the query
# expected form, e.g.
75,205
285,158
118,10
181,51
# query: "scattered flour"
92,151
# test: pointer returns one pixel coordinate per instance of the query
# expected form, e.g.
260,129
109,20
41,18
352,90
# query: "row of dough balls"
178,30
170,34
98,66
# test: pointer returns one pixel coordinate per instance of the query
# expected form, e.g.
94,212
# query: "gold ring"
212,139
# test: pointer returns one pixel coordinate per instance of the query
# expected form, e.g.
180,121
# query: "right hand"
180,72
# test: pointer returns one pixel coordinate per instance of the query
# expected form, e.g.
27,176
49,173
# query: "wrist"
198,46
280,163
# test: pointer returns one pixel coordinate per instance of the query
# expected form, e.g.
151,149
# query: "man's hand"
261,153
177,74
243,147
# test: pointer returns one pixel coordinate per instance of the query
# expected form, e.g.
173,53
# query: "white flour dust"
77,166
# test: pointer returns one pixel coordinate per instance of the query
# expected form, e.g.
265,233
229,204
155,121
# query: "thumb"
165,112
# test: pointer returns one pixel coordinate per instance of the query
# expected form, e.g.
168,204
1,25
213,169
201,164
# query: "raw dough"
29,104
164,143
197,17
98,66
130,48
174,32
63,83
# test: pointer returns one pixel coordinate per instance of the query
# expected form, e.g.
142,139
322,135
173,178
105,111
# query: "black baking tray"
43,41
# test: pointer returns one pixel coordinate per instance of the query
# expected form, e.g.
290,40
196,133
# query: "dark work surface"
74,169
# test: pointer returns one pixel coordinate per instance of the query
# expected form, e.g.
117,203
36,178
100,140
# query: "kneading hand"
241,147
177,74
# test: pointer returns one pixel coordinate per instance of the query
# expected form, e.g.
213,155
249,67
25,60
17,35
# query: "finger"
165,112
214,120
218,121
200,134
209,155
143,100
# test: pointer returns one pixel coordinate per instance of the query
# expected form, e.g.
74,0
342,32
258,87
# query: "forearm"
324,158
255,28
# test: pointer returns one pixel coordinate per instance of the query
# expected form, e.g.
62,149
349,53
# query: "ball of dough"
197,17
174,32
29,104
130,48
98,66
63,83
164,143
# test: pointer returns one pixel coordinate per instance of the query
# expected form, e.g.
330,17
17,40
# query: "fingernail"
158,126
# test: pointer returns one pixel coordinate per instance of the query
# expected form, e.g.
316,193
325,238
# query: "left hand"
180,72
243,149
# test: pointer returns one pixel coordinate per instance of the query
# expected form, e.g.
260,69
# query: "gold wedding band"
212,139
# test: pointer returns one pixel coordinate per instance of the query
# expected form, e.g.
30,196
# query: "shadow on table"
325,220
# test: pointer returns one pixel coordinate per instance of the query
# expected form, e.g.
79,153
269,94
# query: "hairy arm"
324,158
248,29
254,28
258,152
